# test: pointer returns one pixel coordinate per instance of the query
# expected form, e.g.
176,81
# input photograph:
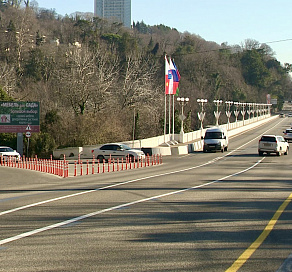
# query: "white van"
216,139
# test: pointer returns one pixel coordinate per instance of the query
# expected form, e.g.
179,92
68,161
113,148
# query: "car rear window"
268,139
288,130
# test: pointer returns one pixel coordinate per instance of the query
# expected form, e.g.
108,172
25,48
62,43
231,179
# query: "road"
199,212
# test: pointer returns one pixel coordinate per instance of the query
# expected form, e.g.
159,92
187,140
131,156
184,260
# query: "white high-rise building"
115,10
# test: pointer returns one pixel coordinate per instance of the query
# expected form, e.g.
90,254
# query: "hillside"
91,76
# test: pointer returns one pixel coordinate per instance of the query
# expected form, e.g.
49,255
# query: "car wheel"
287,150
132,158
261,153
278,153
100,158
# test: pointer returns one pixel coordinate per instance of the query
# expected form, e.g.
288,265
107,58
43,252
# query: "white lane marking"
123,183
82,217
103,188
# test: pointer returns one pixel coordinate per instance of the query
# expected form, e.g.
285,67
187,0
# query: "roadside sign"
28,134
16,117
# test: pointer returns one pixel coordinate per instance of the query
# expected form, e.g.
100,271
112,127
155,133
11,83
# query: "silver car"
117,151
288,135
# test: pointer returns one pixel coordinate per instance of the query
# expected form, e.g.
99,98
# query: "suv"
273,144
117,151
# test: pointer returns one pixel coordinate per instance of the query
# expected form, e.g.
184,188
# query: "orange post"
75,169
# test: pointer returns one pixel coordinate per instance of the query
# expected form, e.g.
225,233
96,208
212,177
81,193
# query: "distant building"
114,10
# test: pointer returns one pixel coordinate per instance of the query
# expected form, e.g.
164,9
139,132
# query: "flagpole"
165,118
169,116
173,117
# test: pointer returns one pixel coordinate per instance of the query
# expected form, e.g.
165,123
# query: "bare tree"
106,76
8,78
137,82
86,78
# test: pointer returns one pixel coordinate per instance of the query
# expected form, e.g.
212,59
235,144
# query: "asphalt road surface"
199,212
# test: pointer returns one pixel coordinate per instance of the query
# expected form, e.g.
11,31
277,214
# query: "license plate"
267,144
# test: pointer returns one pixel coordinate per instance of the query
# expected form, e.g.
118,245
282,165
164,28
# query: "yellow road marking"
254,246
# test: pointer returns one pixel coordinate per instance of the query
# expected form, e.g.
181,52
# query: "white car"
273,144
117,151
6,152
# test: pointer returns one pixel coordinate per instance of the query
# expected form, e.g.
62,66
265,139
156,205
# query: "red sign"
18,129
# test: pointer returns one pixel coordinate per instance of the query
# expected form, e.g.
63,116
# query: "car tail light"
92,151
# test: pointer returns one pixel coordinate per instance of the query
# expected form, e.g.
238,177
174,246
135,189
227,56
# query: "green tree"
254,70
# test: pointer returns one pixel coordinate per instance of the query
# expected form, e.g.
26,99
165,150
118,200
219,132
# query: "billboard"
19,117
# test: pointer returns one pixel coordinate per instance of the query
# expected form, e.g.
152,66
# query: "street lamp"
257,110
183,101
228,112
201,115
236,112
217,113
243,111
249,110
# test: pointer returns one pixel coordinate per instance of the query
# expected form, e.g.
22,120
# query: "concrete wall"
188,142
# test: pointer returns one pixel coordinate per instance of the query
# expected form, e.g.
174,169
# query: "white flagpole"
173,117
165,118
169,115
165,102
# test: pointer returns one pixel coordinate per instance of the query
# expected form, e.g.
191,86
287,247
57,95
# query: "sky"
220,21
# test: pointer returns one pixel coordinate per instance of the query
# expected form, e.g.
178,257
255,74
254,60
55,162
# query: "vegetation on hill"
91,76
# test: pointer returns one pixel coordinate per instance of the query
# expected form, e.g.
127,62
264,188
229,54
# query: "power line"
286,40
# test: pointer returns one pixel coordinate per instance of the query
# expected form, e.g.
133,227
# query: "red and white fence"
61,167
50,166
96,166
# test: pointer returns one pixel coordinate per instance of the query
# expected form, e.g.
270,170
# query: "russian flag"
168,78
175,75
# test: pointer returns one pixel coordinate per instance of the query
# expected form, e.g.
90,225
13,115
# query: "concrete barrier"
179,150
69,152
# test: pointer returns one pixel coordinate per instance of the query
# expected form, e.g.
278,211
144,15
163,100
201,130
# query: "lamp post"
217,113
183,101
257,111
236,112
249,110
228,112
269,109
243,111
201,115
253,110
